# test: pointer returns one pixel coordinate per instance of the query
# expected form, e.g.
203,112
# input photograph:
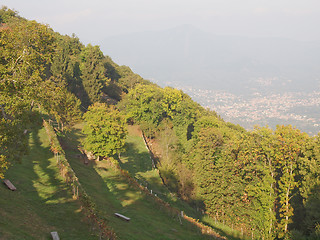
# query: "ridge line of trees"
264,181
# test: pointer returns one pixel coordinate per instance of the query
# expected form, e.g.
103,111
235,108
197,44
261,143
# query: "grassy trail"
112,193
42,202
136,160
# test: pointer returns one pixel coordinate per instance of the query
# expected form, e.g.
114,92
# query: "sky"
94,20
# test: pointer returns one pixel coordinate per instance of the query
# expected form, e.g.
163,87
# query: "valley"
71,139
299,109
248,81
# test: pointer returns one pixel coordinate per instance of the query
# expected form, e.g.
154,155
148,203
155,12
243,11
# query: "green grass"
42,202
136,160
112,193
223,229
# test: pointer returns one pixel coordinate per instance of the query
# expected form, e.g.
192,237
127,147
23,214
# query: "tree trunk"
4,115
270,195
31,105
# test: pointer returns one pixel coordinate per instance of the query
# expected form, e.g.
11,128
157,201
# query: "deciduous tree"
105,130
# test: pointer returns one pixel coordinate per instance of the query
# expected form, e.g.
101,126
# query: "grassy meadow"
112,193
42,202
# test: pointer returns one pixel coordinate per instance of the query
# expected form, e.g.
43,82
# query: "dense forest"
265,182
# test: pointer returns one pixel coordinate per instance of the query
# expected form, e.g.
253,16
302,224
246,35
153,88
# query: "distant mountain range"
187,55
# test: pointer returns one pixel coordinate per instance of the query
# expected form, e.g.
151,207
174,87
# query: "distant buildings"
296,108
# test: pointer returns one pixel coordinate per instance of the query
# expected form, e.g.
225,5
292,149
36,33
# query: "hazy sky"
95,19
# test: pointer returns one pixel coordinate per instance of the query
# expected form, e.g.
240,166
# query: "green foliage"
23,62
40,69
127,79
22,68
143,105
13,143
6,14
265,181
93,76
66,65
114,190
61,104
26,50
171,101
309,185
105,130
290,143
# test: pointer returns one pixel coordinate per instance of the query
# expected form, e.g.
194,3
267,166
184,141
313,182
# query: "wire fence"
97,223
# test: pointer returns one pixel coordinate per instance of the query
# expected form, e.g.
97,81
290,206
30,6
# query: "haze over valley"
96,151
265,81
299,109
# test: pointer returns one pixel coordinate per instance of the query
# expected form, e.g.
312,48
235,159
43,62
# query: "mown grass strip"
137,162
42,202
112,192
99,224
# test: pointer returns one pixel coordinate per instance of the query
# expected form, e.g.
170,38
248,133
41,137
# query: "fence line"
176,212
149,150
87,205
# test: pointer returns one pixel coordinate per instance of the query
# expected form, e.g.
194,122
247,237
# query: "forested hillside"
265,183
43,70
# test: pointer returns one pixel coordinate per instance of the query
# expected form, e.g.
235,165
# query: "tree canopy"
42,69
105,130
265,182
258,181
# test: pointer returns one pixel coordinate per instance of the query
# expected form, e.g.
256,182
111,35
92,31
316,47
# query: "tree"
13,143
127,79
6,14
142,104
258,177
105,130
309,170
290,144
66,65
171,101
60,103
26,49
94,77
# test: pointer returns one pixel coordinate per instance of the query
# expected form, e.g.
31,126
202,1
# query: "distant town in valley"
247,81
299,109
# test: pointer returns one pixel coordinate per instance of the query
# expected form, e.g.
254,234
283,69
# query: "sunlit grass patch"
42,202
113,193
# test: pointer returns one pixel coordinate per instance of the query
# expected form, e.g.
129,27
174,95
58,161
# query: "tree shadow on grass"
42,195
112,192
219,230
139,164
109,190
136,160
88,174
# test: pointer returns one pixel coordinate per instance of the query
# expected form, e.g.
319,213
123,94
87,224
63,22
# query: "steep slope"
112,193
138,162
42,202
